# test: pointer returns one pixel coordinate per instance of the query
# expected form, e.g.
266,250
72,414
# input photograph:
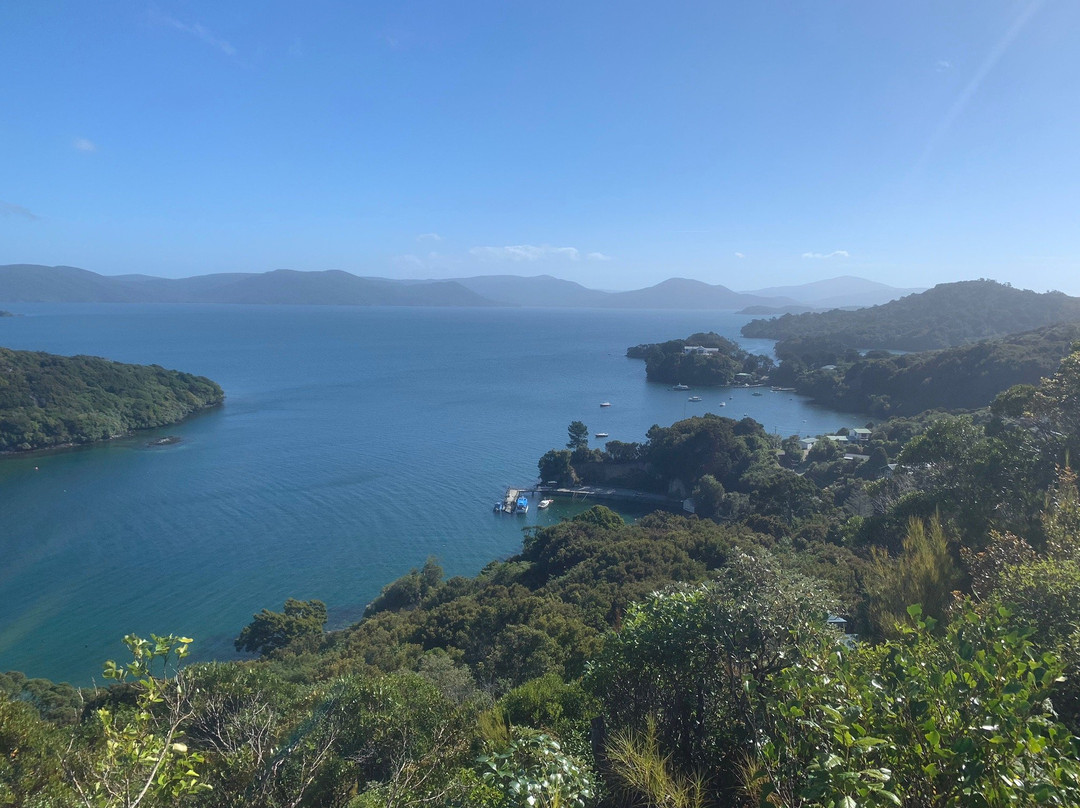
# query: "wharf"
511,498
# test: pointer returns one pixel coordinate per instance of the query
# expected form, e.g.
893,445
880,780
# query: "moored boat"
544,503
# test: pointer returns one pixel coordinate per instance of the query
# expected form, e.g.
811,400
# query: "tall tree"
579,436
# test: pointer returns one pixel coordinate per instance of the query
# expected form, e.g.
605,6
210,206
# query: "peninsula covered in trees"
48,400
949,314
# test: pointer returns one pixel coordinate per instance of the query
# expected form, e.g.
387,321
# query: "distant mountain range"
836,293
31,283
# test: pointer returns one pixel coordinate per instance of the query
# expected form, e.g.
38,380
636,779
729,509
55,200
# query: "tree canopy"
48,400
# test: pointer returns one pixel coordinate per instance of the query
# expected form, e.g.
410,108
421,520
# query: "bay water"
354,443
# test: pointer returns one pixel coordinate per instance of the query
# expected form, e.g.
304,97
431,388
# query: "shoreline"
70,445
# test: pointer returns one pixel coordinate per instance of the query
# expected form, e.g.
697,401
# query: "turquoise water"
354,443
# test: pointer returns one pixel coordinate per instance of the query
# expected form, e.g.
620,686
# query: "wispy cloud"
432,261
429,237
943,65
84,145
534,252
525,252
972,87
17,211
202,33
833,254
739,255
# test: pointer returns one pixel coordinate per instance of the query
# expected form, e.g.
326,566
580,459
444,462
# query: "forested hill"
964,377
949,314
48,400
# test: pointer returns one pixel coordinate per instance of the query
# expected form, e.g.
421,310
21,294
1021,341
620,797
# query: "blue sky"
615,144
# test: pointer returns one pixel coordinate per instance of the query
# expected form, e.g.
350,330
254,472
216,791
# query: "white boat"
605,403
694,398
600,435
681,387
544,503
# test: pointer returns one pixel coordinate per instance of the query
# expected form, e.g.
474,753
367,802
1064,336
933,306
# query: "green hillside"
949,314
48,400
965,377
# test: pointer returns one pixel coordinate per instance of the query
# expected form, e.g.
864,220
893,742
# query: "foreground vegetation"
677,661
48,400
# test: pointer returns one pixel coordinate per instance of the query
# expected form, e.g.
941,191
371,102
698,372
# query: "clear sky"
616,144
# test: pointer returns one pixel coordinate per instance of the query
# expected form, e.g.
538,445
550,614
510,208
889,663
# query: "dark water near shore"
353,444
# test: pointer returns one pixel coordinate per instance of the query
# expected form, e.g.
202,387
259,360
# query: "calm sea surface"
354,443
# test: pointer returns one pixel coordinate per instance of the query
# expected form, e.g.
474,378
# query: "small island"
48,401
702,359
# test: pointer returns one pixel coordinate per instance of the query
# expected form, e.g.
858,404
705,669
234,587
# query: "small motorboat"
600,435
694,398
681,387
605,403
544,503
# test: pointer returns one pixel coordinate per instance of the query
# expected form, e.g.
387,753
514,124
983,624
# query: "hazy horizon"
612,146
